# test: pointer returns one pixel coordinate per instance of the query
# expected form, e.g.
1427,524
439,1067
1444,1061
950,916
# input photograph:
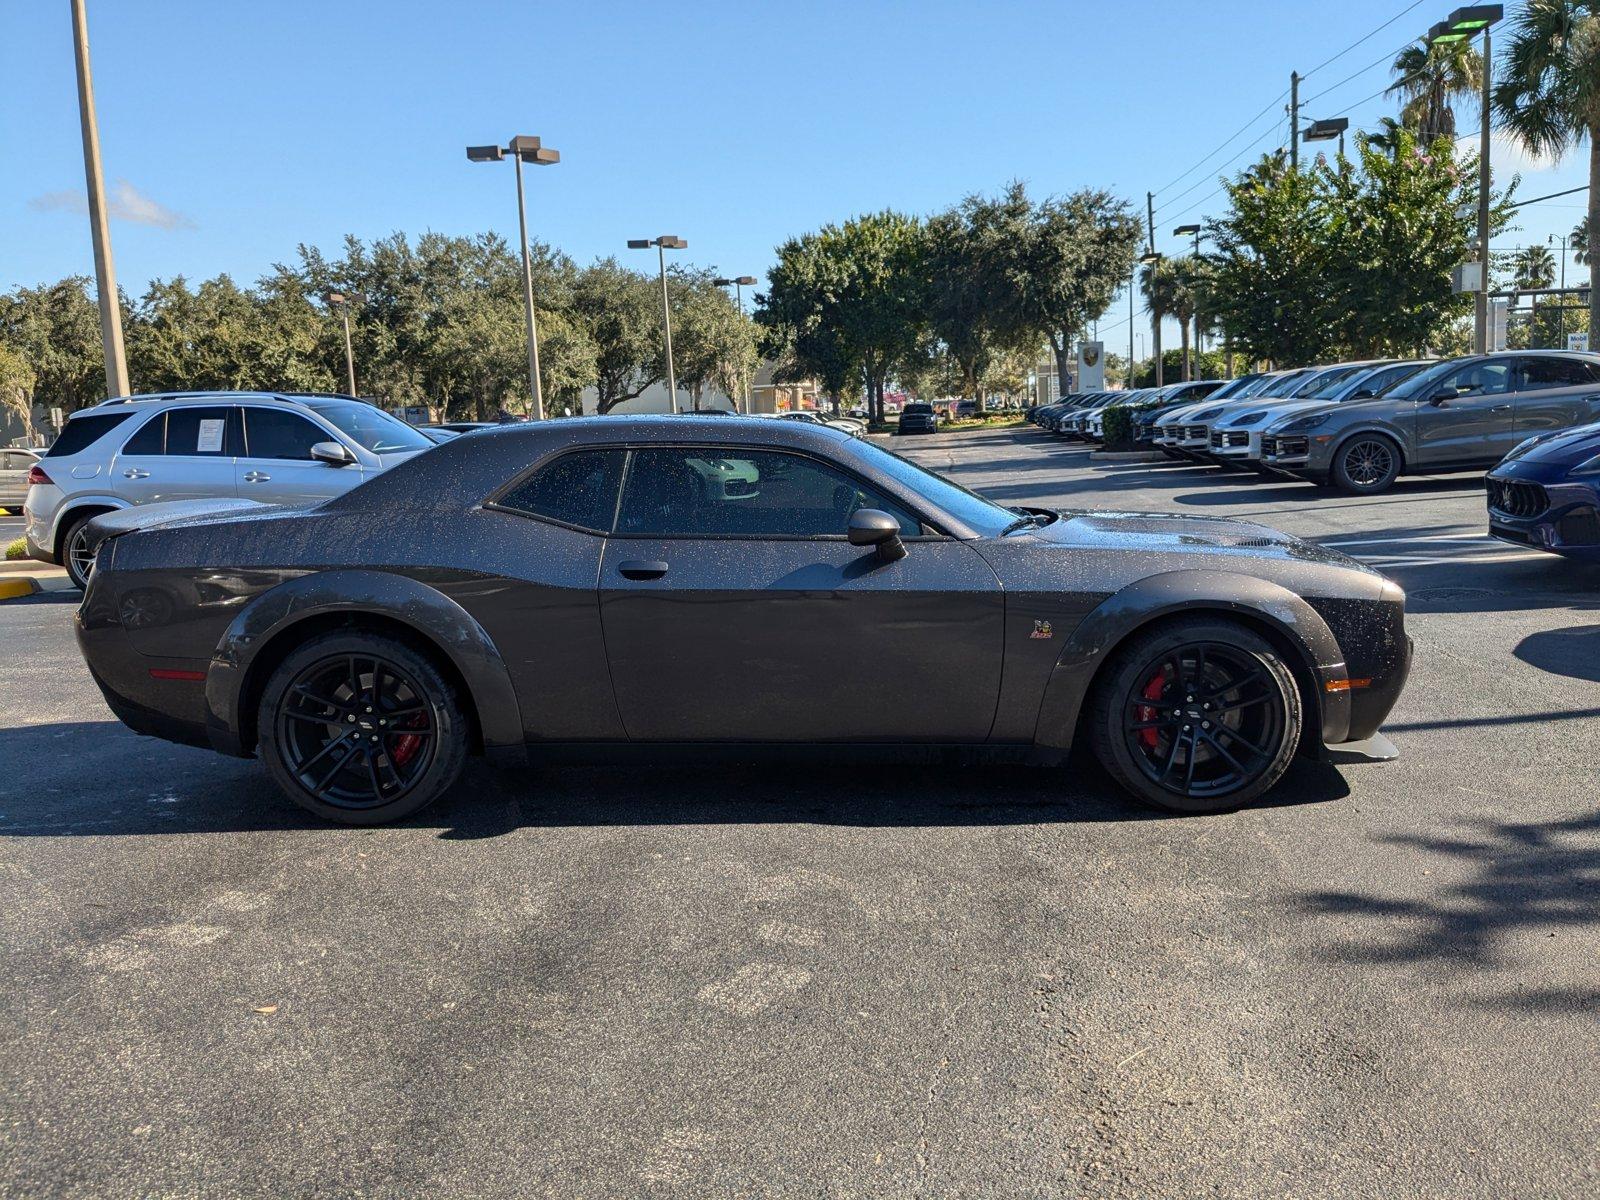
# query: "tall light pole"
105,273
1461,26
662,244
342,302
1133,286
739,282
523,149
1153,261
1185,231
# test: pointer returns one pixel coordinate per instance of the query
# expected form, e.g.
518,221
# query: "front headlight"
1250,418
1305,424
1523,447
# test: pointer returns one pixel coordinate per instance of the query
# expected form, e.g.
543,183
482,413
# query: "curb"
1126,456
15,589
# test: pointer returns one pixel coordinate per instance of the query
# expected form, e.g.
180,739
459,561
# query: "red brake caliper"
405,745
1152,691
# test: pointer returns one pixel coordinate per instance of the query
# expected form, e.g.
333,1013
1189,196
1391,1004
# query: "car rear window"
82,432
578,489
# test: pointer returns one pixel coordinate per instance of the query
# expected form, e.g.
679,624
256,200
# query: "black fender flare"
1174,592
432,615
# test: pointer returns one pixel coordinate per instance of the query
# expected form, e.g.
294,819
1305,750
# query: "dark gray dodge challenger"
609,585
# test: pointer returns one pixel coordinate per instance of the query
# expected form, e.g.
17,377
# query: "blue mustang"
1546,494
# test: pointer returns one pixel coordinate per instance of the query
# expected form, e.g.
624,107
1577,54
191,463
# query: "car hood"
1565,449
1167,532
1276,410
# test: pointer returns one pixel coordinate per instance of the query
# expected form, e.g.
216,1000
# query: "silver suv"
1462,415
275,447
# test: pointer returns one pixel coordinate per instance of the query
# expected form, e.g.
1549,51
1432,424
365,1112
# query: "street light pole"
738,293
1182,231
524,149
343,301
1153,260
105,273
662,244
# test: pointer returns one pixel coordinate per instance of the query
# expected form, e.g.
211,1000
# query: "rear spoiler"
171,513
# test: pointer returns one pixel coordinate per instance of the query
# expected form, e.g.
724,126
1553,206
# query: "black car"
918,417
578,588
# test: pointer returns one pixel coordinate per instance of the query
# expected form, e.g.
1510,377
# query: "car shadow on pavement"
1573,651
1266,490
177,790
1522,880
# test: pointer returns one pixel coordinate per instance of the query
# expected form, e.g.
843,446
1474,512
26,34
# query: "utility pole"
1133,286
1153,261
1294,120
99,224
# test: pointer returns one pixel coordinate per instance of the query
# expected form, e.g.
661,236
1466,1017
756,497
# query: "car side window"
274,433
149,438
198,432
1476,379
738,492
1540,374
578,489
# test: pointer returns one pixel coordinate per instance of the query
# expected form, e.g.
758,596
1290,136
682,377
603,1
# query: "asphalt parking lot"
833,981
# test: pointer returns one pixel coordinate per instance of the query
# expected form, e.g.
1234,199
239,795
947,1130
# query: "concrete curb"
1126,456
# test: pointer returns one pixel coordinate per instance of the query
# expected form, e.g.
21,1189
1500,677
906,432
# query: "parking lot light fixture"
662,244
1326,131
524,149
1460,26
341,301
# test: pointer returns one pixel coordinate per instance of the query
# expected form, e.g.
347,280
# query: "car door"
274,464
180,453
1554,393
735,609
1467,415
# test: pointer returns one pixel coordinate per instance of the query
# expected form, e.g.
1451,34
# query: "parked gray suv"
274,447
1464,414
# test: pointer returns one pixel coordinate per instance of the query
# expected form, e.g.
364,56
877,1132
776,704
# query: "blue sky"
232,132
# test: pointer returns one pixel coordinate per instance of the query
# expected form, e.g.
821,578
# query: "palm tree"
1533,267
1548,98
1428,77
1578,242
1165,285
1387,138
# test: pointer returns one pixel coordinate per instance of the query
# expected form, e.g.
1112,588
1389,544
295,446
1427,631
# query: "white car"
272,447
1234,435
14,467
843,424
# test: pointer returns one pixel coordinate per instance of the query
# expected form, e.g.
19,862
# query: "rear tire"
361,729
74,551
1365,465
1197,716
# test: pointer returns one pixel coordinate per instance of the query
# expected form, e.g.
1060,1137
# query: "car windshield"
1235,388
371,428
985,516
1303,385
1328,382
1377,382
1419,383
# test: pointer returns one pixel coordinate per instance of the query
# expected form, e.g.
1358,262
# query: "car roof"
296,399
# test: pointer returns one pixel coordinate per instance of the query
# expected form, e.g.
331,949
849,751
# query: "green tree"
1430,77
621,310
55,329
1270,264
1548,97
1578,242
713,343
16,385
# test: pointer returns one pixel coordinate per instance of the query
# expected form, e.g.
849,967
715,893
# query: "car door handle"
1501,408
642,570
135,473
257,477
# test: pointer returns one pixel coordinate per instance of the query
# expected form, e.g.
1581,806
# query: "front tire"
1366,465
1197,716
361,729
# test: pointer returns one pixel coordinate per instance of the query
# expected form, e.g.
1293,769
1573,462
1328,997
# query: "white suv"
275,447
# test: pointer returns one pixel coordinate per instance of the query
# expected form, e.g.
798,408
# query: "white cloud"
1510,156
125,203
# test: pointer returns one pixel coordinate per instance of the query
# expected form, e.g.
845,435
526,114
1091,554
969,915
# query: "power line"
1243,129
1365,37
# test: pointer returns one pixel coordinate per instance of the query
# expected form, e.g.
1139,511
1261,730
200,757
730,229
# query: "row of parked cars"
1532,416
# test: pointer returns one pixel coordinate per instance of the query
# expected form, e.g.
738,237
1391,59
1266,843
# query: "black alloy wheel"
1199,716
361,729
1367,463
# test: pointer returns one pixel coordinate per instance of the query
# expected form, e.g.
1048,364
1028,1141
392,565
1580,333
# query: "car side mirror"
1440,399
1362,394
333,454
874,527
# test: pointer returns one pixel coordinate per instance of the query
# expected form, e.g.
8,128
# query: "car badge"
1041,629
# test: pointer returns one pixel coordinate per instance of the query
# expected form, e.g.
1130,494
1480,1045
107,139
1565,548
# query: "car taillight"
36,475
